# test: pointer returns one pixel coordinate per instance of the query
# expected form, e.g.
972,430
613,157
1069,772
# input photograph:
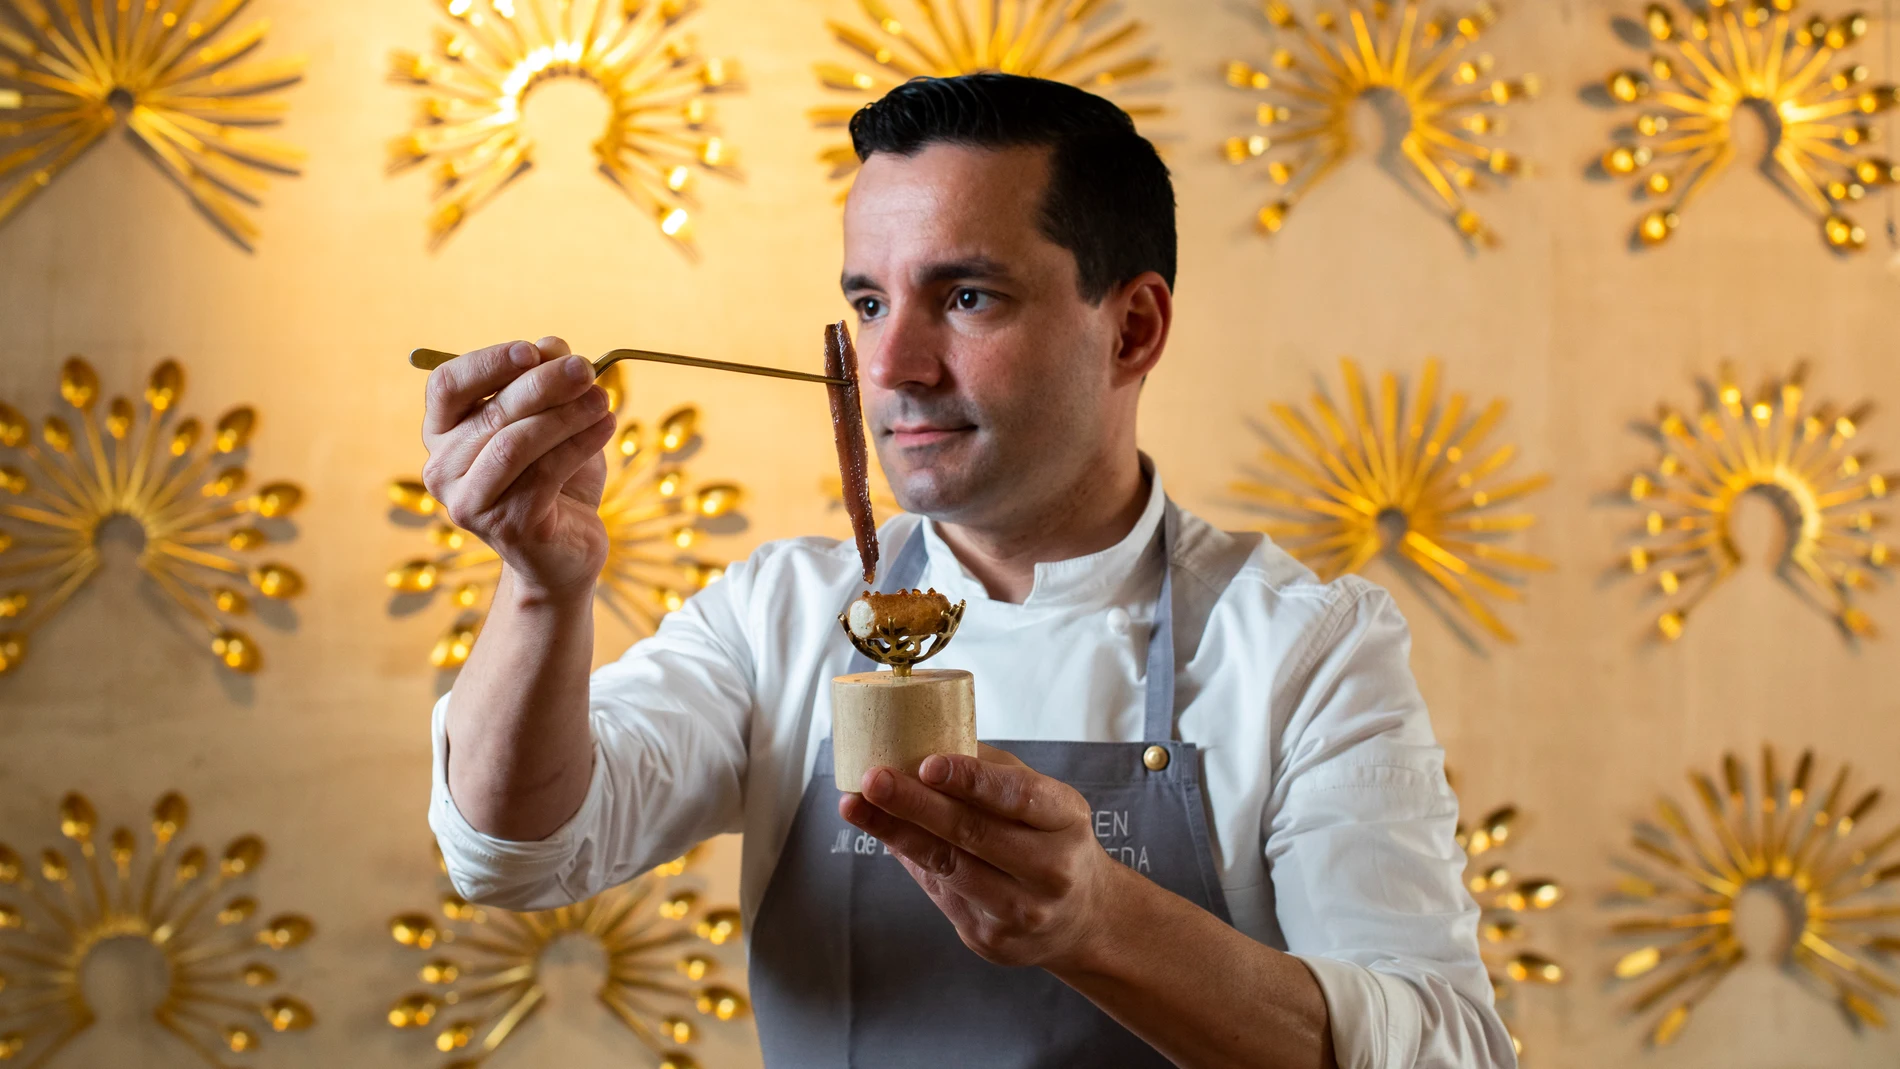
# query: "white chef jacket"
1332,821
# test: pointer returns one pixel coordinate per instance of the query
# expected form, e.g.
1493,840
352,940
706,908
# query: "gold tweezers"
429,359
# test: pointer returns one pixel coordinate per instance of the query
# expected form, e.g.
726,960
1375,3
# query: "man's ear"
1147,311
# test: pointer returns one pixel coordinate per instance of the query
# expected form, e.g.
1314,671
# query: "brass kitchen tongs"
430,359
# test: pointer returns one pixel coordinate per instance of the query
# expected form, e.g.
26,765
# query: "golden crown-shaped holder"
898,718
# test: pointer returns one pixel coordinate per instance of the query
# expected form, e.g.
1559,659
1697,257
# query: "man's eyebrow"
968,267
973,267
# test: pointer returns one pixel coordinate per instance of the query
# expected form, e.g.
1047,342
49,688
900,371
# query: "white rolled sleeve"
520,875
669,723
1365,864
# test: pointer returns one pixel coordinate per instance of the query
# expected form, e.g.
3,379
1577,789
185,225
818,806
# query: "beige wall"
325,752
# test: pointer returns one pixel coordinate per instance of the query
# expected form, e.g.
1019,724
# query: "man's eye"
870,307
969,300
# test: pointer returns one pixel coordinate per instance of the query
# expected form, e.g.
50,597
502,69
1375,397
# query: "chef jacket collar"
1095,577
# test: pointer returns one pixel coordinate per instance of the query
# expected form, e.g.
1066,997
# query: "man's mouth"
914,435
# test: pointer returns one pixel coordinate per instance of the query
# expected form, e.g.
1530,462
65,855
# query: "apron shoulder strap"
1202,562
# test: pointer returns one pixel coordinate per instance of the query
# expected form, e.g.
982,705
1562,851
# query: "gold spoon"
430,359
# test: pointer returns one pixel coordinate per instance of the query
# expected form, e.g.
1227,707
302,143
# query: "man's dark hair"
1109,199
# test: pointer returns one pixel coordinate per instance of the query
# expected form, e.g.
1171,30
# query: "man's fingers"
964,915
1000,841
588,484
458,386
556,382
1015,791
552,347
549,476
957,870
986,752
511,450
544,387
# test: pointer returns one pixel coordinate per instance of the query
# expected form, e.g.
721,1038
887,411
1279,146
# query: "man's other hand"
1007,853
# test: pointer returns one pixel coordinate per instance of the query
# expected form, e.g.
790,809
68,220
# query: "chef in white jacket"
1210,824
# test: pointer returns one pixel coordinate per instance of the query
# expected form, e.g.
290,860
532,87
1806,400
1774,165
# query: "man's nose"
906,351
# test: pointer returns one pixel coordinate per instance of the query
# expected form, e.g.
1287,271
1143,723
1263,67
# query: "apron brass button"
1155,757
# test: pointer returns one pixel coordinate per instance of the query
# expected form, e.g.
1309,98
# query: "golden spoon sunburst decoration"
1073,41
1741,55
494,53
182,484
1404,476
1800,845
184,902
1507,899
655,520
1801,458
165,70
661,945
1378,51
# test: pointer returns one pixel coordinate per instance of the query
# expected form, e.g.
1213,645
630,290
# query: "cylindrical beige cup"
882,718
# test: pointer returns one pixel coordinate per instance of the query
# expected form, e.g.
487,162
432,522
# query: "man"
1224,837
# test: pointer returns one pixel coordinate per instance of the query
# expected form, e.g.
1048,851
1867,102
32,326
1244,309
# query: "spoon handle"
429,359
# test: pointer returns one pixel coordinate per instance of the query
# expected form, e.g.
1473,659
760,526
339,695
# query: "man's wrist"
1123,904
534,599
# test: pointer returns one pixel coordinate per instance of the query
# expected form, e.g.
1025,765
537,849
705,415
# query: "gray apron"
853,965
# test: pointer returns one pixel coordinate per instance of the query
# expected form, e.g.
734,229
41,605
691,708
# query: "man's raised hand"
514,434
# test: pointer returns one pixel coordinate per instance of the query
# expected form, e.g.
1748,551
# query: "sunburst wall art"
1509,901
184,902
166,71
1403,474
493,53
1801,458
1081,42
1803,849
1440,97
1793,71
181,486
663,957
656,519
